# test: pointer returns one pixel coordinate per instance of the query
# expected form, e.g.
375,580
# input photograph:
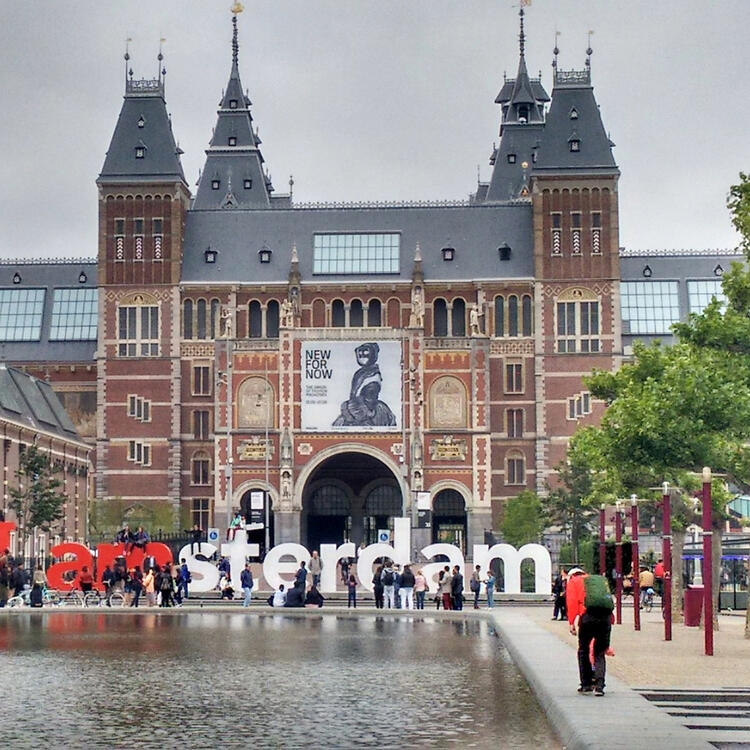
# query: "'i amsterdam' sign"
283,560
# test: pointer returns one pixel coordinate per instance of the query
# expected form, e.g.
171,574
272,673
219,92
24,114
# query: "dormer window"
573,114
209,255
523,114
232,104
448,253
247,183
140,152
575,144
264,254
232,140
141,121
504,251
511,158
215,184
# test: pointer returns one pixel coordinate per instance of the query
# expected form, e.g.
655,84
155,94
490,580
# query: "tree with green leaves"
523,521
36,500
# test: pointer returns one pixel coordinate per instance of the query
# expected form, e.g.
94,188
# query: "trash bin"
693,606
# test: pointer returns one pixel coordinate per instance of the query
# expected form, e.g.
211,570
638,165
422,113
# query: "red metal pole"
618,566
602,544
635,565
708,605
666,554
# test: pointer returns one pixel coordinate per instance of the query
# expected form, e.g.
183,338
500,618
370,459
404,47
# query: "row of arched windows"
513,318
200,319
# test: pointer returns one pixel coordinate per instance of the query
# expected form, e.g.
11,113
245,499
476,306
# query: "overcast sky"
373,100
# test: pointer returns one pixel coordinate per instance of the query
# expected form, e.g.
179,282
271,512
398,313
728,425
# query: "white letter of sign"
431,570
204,574
330,554
273,568
512,559
399,552
238,550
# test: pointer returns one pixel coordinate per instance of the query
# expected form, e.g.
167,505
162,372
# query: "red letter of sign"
55,572
5,528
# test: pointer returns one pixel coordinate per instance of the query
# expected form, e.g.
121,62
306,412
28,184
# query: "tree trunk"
678,544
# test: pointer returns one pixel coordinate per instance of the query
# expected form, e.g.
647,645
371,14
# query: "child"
351,586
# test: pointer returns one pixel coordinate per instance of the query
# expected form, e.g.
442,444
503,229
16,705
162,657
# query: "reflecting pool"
214,680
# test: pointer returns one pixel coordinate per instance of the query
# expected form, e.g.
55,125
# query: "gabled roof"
574,138
143,124
233,176
29,401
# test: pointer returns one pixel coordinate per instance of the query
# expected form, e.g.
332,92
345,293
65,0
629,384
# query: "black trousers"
599,629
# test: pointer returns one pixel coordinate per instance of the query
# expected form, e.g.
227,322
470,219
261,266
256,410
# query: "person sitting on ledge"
227,590
279,597
314,598
295,596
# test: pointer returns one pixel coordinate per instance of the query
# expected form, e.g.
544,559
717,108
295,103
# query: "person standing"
184,579
445,588
196,535
590,606
377,587
149,584
246,580
388,578
315,567
457,588
136,583
396,585
558,591
659,576
351,587
475,584
406,589
300,577
166,586
489,583
420,588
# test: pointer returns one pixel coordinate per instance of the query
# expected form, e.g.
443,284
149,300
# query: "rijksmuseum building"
333,365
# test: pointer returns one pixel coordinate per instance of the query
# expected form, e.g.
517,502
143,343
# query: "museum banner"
351,386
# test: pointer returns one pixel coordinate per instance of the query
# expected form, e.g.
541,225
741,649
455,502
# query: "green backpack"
597,593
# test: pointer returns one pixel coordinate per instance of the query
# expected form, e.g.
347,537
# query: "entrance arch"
449,518
348,496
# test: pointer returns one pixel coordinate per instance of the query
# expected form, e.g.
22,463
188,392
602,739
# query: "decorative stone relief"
304,449
448,448
255,404
447,403
255,449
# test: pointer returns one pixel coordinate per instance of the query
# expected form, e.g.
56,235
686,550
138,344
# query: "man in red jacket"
592,623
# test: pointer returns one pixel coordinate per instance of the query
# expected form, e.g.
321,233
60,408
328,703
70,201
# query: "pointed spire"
521,35
589,51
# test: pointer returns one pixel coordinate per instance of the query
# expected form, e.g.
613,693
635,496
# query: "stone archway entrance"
348,497
449,518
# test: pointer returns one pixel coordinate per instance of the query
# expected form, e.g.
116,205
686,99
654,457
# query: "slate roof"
474,231
144,102
574,114
48,274
33,403
508,179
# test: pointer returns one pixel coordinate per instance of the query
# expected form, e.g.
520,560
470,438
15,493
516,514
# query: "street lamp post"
618,562
266,494
602,543
708,606
666,554
635,565
229,457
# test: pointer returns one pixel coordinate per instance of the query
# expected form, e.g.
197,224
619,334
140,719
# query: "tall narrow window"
338,313
499,316
458,317
514,377
200,512
440,315
515,468
512,315
526,315
272,319
201,468
201,380
187,319
514,422
374,313
256,320
138,329
214,331
200,424
201,319
356,314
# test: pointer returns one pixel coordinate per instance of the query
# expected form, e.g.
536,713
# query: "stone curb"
621,719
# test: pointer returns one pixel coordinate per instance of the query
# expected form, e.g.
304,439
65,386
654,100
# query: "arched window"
256,320
338,314
449,503
526,315
500,316
200,328
200,468
383,500
356,314
515,468
577,327
458,317
374,313
272,320
440,317
187,319
214,333
512,315
394,313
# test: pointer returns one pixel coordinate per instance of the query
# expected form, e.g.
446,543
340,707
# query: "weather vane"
237,8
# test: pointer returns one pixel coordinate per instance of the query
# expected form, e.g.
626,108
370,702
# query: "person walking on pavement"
377,587
420,588
246,581
457,588
445,589
590,606
388,578
489,583
406,590
558,591
300,577
315,567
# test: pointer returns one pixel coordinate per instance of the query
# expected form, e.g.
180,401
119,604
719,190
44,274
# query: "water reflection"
208,680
